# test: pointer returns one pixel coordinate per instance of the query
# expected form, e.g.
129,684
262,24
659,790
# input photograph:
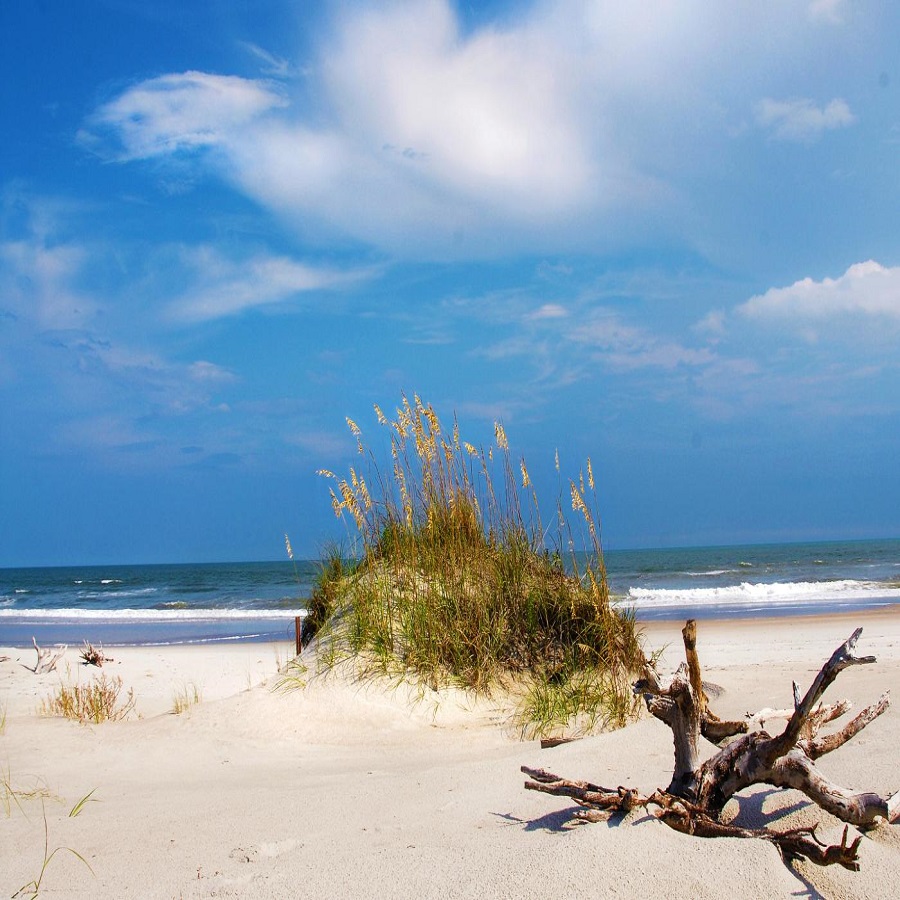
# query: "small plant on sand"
32,889
292,676
185,697
95,702
454,582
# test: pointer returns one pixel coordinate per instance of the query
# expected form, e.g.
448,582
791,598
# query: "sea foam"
149,615
768,594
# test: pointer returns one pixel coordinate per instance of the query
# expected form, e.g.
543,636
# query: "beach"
342,787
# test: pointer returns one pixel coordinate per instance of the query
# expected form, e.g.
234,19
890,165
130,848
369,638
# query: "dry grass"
185,697
15,795
95,702
453,580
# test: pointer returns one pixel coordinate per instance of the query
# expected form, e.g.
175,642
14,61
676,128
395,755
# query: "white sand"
343,789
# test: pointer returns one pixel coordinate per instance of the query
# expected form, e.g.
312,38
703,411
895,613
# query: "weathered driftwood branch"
94,656
694,800
47,658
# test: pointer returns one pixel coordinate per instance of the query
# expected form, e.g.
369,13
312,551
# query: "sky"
662,235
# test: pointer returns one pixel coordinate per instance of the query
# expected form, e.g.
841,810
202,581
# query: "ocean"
210,602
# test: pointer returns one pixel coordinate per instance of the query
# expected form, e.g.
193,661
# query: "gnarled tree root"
698,792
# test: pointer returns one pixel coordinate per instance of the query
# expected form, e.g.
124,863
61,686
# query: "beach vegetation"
12,795
454,578
292,676
98,701
32,889
80,805
185,697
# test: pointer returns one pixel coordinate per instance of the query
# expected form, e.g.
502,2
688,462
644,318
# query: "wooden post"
298,628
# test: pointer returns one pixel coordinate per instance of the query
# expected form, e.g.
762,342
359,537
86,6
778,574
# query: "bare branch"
47,658
820,746
841,659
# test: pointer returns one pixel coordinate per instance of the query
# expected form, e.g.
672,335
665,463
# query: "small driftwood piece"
697,794
47,658
94,656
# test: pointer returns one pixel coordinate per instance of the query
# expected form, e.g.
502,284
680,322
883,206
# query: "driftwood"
697,794
47,658
94,656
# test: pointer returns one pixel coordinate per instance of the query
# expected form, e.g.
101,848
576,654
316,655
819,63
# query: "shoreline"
111,632
351,788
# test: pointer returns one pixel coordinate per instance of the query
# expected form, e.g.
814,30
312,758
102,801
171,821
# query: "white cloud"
712,324
559,127
180,112
486,111
865,290
800,119
548,311
203,370
226,287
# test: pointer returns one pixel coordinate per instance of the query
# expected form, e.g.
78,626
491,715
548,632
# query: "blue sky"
664,235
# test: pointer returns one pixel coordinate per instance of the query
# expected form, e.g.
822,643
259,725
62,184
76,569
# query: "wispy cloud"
801,120
827,10
222,286
628,347
74,349
272,65
179,112
37,282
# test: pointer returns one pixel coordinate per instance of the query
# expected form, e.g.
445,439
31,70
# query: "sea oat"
526,481
577,498
364,493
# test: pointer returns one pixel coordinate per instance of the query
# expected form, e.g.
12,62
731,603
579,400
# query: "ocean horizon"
189,603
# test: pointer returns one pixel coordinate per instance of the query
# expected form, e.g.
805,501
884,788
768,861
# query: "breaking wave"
773,594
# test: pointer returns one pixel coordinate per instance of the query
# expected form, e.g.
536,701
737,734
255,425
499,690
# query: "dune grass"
32,889
453,582
95,702
14,795
185,697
